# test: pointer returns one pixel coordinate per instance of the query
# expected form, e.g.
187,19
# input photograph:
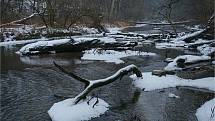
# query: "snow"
171,95
207,111
21,42
151,82
114,30
189,35
171,44
111,55
26,49
206,49
188,59
67,111
102,39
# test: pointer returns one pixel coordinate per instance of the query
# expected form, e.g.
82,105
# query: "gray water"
28,86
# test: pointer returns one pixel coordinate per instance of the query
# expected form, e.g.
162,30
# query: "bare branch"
85,81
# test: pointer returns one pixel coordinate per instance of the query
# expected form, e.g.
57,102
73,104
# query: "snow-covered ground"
151,82
207,111
111,55
188,59
66,110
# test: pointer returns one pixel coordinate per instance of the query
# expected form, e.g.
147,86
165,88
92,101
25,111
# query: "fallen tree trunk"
195,45
93,84
209,27
19,21
173,23
67,45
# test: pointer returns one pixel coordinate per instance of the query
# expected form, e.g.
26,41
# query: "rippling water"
28,86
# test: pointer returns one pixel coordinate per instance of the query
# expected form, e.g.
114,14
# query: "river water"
28,86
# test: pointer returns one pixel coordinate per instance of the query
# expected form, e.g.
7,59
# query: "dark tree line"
66,12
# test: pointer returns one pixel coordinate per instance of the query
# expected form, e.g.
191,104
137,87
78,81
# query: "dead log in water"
93,84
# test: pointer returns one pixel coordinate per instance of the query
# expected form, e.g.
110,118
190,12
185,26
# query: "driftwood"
93,84
19,21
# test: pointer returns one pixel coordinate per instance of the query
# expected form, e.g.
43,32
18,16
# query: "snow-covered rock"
66,110
188,59
151,82
111,55
207,111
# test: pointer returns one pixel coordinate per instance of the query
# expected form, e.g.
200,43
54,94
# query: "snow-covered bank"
66,111
111,55
187,58
207,111
151,82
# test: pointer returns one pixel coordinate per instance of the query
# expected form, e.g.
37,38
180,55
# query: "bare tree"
166,10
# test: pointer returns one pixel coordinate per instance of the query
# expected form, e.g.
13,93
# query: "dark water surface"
28,85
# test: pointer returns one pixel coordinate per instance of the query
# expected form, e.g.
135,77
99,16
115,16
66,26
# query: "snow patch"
111,55
171,95
66,110
207,111
151,82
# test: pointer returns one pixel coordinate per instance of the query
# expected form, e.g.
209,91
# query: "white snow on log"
171,95
68,111
189,35
26,49
111,55
206,49
102,39
207,111
188,59
171,44
21,42
151,82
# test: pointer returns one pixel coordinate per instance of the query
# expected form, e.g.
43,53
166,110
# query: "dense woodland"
60,12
